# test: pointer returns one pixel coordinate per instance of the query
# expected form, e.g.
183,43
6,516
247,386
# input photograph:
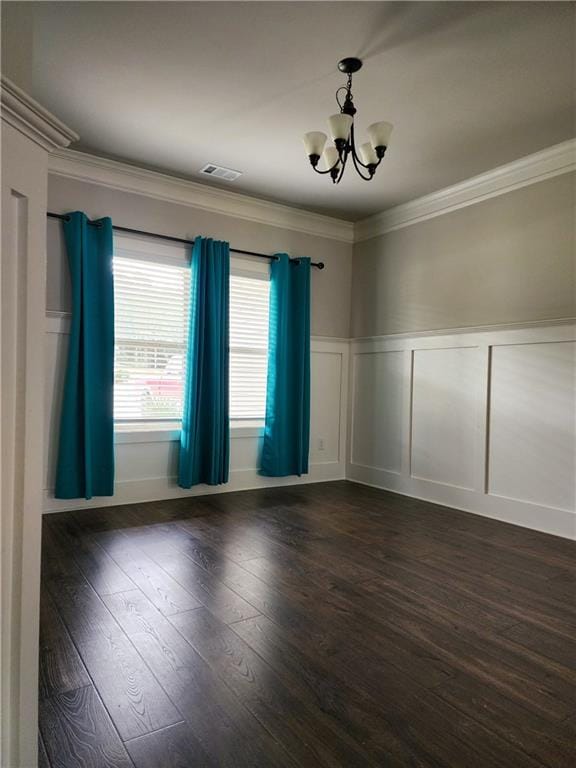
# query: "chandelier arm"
337,180
358,170
329,169
342,88
354,154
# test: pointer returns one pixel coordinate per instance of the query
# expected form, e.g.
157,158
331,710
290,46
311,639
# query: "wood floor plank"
61,668
212,593
553,745
558,647
262,692
448,638
236,548
228,732
172,747
166,593
100,570
77,732
313,625
334,624
455,740
135,700
372,718
163,545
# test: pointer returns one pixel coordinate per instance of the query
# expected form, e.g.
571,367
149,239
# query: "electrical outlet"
320,443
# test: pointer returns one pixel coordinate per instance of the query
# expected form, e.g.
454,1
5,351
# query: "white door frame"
29,133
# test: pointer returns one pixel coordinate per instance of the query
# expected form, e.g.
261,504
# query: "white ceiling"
172,86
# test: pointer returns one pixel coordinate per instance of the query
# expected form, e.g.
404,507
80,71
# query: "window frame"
145,249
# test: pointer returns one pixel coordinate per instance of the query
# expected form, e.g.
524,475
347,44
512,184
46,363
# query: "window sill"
147,432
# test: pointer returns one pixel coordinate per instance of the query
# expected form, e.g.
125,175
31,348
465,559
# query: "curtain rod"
65,217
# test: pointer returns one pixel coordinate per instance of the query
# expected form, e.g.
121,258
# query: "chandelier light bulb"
340,125
368,154
330,157
379,134
314,142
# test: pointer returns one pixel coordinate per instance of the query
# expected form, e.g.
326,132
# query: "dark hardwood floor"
318,625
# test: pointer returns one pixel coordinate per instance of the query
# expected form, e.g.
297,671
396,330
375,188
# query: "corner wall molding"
550,162
30,118
161,186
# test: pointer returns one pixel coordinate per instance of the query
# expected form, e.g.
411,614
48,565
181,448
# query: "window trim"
146,433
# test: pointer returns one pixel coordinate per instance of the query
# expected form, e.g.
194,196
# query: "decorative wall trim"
30,118
550,162
58,322
160,186
480,420
470,329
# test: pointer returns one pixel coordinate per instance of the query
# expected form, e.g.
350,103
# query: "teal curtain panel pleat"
85,465
287,429
205,434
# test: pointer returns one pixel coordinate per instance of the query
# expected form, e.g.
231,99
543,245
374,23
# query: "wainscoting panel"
379,395
490,422
444,415
326,388
532,418
146,463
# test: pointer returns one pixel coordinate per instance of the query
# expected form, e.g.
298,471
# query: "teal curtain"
287,428
86,451
205,434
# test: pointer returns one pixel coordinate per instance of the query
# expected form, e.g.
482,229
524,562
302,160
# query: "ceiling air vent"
218,172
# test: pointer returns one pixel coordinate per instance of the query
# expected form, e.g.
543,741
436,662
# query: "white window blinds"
151,321
248,346
151,325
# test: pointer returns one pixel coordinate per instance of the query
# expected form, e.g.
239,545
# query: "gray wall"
330,311
508,259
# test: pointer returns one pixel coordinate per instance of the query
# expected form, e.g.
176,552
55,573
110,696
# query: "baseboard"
558,522
160,488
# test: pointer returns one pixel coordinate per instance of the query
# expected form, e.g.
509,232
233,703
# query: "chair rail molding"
31,119
161,186
550,162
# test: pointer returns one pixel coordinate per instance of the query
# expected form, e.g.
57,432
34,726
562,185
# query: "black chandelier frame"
347,147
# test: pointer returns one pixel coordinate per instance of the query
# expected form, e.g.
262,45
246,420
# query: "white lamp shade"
330,157
379,134
340,125
314,142
367,154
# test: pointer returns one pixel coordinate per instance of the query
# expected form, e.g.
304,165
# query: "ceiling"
172,86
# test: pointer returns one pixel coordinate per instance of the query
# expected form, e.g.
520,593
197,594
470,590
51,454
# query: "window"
151,287
249,297
151,314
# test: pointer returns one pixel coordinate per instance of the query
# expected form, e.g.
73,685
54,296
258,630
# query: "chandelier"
368,156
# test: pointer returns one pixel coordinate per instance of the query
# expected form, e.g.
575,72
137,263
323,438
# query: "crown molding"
31,119
550,162
160,186
556,160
